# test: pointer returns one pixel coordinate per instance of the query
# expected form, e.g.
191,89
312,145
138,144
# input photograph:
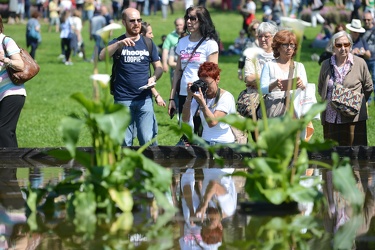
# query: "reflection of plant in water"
103,193
280,160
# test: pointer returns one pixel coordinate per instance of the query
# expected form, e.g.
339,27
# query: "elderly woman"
12,97
277,73
265,32
211,104
351,72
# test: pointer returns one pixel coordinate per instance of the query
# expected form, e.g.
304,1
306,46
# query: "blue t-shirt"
133,71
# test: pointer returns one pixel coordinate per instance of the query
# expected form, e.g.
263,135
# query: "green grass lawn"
48,99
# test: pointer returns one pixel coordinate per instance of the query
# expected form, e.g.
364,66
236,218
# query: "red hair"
282,37
209,69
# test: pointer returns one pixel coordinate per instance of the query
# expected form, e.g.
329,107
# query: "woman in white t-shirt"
198,25
275,75
210,102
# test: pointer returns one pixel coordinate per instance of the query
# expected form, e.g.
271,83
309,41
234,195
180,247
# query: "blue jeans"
142,123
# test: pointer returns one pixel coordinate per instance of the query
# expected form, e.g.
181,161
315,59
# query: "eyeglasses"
265,37
364,19
288,45
139,20
340,45
191,18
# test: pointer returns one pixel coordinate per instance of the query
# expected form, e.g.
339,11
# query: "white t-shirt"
271,72
260,60
228,201
221,133
184,49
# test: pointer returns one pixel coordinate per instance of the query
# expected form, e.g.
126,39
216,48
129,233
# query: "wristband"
156,97
171,99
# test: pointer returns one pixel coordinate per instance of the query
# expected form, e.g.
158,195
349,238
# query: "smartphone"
172,113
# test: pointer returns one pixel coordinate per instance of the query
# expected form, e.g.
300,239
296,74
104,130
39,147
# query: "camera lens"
198,84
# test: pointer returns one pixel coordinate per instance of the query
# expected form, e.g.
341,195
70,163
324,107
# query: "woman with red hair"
276,74
206,99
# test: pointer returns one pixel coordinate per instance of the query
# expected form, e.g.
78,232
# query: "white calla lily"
102,78
105,32
252,52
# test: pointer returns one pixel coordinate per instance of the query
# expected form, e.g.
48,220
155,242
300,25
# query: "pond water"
220,223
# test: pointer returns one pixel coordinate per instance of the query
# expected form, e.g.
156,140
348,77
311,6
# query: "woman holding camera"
206,99
199,46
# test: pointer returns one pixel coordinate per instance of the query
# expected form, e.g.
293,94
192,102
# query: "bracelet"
171,99
203,107
156,97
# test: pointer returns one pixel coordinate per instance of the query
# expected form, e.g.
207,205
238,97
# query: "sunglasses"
288,45
139,20
191,18
340,45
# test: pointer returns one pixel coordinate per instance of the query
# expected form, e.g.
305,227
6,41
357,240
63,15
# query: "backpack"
116,58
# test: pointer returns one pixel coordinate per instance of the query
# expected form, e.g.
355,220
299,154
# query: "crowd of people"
191,54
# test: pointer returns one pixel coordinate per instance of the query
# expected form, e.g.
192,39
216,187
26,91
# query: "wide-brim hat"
355,26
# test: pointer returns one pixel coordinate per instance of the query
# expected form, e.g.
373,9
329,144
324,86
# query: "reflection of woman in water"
219,201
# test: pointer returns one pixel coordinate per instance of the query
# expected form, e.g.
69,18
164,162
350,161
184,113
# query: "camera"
199,84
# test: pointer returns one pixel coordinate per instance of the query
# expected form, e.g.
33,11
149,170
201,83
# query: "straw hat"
355,26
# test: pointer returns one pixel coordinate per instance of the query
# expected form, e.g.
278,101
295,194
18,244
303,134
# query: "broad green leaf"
344,182
275,195
317,108
344,238
122,198
239,122
123,223
70,129
85,102
114,124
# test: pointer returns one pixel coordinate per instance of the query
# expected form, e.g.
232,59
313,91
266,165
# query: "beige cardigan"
357,79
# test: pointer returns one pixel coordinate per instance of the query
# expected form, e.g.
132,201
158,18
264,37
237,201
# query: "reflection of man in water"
219,201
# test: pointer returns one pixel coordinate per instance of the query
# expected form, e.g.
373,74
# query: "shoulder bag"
275,105
247,101
344,100
30,69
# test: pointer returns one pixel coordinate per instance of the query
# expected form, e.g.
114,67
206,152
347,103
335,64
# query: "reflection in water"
340,214
206,200
12,213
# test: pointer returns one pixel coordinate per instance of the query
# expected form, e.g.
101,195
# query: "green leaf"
344,182
114,124
122,198
279,140
317,108
70,129
239,122
275,195
345,237
85,207
85,102
124,222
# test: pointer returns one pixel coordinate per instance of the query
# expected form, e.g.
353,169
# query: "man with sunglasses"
131,79
369,37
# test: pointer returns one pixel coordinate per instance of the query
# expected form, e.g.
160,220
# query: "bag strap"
194,50
4,47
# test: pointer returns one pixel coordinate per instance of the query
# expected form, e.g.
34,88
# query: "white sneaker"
68,63
61,56
80,54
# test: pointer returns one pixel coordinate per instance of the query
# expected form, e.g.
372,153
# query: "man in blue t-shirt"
132,72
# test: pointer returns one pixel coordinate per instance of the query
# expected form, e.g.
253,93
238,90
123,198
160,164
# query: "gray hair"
267,27
338,35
